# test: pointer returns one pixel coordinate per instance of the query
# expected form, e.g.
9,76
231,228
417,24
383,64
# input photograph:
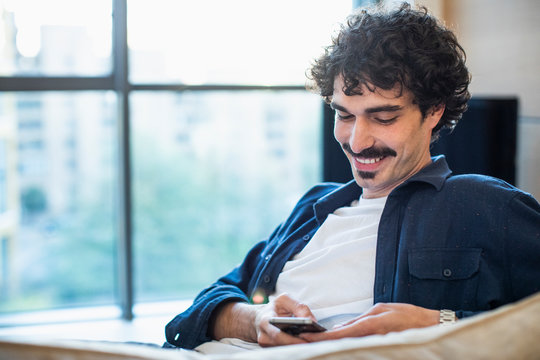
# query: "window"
58,219
141,157
231,166
55,37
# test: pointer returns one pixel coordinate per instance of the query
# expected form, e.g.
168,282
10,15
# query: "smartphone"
296,325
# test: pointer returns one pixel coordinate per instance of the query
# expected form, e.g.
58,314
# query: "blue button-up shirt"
469,243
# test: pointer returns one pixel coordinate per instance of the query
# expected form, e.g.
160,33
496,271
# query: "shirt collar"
341,196
435,174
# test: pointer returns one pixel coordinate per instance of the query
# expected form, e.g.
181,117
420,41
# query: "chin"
366,175
363,182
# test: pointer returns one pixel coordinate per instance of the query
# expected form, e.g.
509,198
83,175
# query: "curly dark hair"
404,47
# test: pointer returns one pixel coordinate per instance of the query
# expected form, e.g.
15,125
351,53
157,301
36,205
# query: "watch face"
447,317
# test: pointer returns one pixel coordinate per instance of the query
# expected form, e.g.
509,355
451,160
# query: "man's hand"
283,305
381,318
250,322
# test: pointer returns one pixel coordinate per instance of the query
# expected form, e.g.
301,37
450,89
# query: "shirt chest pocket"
443,277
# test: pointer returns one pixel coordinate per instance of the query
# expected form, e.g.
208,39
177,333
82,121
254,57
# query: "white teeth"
369,161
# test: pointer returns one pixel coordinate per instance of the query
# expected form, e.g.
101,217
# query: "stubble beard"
366,175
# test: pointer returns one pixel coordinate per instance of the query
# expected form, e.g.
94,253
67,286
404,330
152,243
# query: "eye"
386,121
343,116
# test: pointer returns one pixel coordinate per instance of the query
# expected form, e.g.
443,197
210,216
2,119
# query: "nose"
358,135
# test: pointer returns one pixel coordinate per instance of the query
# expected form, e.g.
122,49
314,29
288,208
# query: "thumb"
284,304
302,310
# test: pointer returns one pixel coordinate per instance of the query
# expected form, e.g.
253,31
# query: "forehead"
396,95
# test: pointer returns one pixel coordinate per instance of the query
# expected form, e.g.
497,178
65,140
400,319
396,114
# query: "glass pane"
57,188
55,37
229,42
215,172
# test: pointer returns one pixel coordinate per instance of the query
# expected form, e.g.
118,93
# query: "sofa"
509,332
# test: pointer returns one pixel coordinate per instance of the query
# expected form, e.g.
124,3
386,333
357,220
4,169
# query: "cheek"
412,144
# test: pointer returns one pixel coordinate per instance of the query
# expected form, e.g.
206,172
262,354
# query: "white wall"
502,42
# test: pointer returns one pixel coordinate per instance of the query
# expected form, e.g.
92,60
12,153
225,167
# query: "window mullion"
121,84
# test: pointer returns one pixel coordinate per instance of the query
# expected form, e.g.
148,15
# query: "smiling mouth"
367,167
369,161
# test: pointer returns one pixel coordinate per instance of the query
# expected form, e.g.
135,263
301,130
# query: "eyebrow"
376,109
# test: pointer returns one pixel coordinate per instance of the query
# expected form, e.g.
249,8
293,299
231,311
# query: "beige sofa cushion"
511,332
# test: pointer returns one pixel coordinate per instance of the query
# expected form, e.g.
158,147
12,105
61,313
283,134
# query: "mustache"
370,152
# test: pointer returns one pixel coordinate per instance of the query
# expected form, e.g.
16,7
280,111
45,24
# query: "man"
403,241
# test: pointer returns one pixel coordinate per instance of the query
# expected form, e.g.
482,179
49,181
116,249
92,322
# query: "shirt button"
306,237
266,278
267,258
447,272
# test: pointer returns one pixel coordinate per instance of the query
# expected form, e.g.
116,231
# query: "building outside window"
208,107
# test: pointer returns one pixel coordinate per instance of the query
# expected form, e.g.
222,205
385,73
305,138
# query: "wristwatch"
447,317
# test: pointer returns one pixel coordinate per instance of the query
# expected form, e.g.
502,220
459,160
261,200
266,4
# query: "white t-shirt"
334,274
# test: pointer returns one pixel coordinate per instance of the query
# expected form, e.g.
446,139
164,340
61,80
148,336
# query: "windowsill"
98,323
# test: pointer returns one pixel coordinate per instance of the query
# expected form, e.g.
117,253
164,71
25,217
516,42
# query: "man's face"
383,136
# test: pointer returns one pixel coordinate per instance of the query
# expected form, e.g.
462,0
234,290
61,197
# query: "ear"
434,115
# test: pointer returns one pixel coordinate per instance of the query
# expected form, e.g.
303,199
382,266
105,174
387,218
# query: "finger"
322,336
347,323
378,308
374,310
302,310
272,336
286,339
287,306
361,327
